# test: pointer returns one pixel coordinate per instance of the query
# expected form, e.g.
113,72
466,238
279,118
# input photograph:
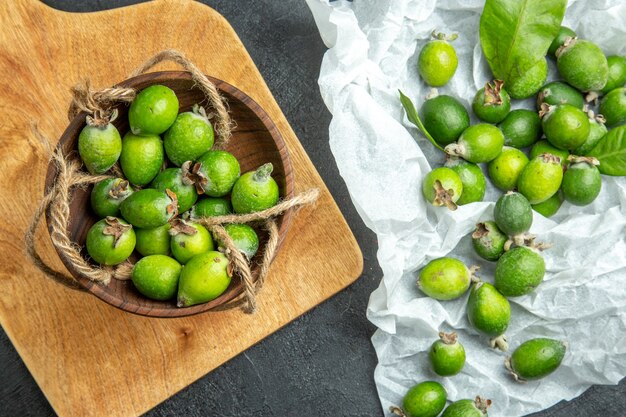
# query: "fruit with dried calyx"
156,276
519,271
447,355
107,196
472,177
506,168
560,38
445,278
149,208
437,61
141,158
565,126
528,83
535,359
541,178
442,187
582,64
255,191
175,180
558,92
492,102
613,107
581,182
214,173
425,399
188,240
489,312
99,144
190,136
155,241
478,143
204,278
110,241
468,408
513,214
445,118
488,241
521,128
543,146
153,110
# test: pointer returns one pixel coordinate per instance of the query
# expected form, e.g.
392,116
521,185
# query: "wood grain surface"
90,358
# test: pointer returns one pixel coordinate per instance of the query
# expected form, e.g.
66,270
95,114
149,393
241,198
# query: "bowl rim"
235,290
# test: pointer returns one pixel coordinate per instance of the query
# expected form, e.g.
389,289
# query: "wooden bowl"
255,141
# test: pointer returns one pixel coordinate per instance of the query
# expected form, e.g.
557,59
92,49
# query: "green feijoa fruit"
204,278
445,118
519,271
190,137
154,241
597,130
211,206
489,312
149,208
175,180
442,187
468,408
110,241
617,73
437,61
513,213
141,158
153,111
536,358
244,237
581,182
521,128
214,173
492,102
558,92
107,196
541,178
425,399
527,84
565,126
506,168
447,355
444,279
188,240
156,276
99,147
559,40
489,241
472,177
543,146
613,107
479,143
255,191
549,207
582,64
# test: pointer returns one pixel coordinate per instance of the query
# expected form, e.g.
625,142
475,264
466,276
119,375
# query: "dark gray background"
322,364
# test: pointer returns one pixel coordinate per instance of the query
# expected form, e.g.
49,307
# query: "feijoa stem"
448,338
263,172
443,37
568,42
507,365
481,404
473,269
116,229
455,149
397,411
119,190
443,197
499,343
493,95
587,159
180,226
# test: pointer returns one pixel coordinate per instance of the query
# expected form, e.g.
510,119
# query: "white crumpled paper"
382,158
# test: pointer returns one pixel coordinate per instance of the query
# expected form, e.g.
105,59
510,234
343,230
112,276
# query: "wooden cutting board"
88,357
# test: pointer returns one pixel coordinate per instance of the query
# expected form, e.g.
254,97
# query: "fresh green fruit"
442,186
447,355
468,408
214,173
559,40
597,130
110,241
107,196
141,158
188,240
489,312
190,137
204,278
156,276
174,180
149,208
478,143
519,271
472,177
153,111
549,207
492,102
437,62
244,237
154,241
536,358
558,92
617,73
513,214
425,399
613,107
521,128
211,206
506,168
581,182
583,65
543,146
565,126
489,241
527,84
99,147
444,279
541,178
255,191
445,118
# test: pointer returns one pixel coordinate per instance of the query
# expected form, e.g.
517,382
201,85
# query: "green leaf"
611,152
516,34
411,114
